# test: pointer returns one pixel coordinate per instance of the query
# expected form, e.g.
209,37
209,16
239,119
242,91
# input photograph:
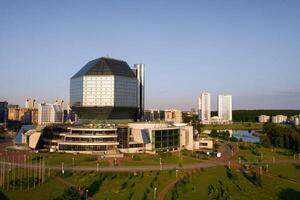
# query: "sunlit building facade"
204,108
50,114
107,88
225,107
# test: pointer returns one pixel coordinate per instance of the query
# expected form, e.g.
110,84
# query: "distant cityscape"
106,114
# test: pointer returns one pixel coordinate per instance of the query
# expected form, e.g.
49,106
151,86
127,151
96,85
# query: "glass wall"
165,139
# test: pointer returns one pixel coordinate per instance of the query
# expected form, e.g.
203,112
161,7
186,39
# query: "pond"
246,136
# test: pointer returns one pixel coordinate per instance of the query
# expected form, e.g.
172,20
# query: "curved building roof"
105,66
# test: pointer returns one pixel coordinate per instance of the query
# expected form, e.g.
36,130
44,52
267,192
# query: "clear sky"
250,49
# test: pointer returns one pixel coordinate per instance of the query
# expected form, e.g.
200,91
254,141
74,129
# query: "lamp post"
86,194
62,168
160,163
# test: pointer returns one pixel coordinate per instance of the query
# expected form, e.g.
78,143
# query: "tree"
70,194
219,192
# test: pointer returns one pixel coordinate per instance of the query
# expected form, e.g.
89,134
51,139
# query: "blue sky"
250,49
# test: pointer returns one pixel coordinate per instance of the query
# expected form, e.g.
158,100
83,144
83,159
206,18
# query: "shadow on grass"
253,178
289,194
3,197
297,166
95,186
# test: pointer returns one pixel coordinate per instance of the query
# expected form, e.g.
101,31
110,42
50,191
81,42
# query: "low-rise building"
157,137
152,137
113,140
23,115
152,115
278,119
204,143
218,120
29,135
294,120
50,114
3,113
173,115
30,103
263,119
81,139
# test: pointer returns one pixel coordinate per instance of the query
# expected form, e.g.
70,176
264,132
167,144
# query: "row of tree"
282,136
225,135
245,115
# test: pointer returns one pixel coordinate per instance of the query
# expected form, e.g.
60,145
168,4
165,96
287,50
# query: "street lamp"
86,194
62,168
160,163
154,195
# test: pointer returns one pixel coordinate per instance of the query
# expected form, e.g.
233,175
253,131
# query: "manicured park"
184,157
198,185
276,184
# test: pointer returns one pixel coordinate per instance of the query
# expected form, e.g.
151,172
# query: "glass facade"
163,140
64,147
123,137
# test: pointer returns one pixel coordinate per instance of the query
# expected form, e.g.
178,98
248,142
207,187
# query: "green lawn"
253,154
140,185
122,185
290,171
234,126
67,159
196,186
146,159
130,160
47,191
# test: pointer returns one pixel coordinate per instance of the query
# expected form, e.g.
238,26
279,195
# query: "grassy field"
112,186
252,152
67,159
140,185
174,158
129,160
289,171
196,186
234,126
122,185
48,191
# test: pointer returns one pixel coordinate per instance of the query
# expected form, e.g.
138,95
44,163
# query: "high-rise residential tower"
225,107
204,108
